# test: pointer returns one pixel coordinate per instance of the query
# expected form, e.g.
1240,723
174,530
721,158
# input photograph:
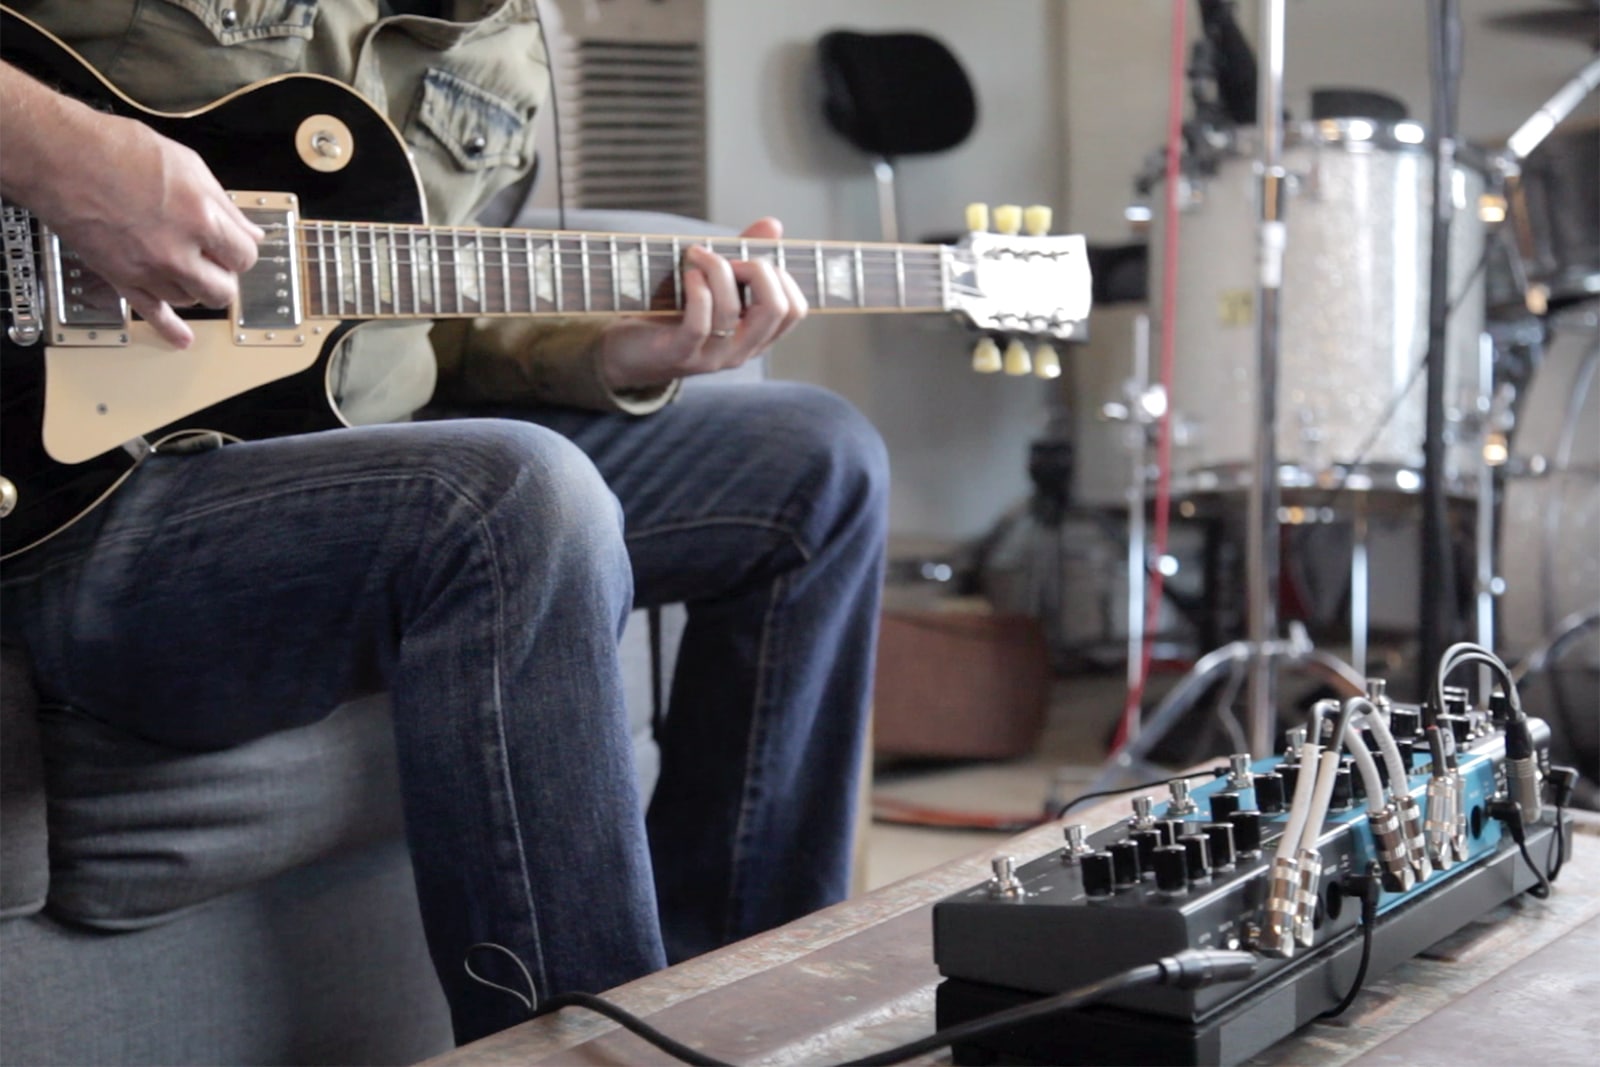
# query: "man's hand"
719,328
144,212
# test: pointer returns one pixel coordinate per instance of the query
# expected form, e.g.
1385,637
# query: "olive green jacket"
463,95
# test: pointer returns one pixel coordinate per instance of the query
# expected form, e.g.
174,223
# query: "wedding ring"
721,333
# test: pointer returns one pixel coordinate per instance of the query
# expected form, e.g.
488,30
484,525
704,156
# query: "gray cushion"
139,832
24,857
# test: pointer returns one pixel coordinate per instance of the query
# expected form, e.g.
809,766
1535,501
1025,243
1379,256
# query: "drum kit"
1349,353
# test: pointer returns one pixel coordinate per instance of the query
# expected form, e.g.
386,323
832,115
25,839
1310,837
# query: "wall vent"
630,84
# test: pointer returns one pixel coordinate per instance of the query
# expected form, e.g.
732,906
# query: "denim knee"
845,460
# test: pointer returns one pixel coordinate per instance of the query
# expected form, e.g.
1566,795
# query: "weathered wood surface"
859,977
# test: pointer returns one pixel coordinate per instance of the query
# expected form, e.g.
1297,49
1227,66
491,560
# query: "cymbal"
1565,24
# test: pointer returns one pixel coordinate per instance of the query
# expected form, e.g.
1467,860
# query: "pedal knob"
1097,874
1223,805
1198,848
1290,773
1148,841
1124,862
1405,723
1171,829
1246,831
1219,836
1172,869
1269,793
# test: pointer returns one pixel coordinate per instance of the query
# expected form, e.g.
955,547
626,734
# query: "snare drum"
1354,312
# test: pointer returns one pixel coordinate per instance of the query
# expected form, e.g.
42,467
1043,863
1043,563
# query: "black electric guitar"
87,390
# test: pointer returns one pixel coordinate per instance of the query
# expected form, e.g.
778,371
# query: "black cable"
1509,812
630,1022
1075,801
1186,970
1368,887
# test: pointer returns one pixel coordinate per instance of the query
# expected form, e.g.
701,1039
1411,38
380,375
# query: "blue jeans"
478,568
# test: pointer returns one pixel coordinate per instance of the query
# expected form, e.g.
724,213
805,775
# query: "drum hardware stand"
1259,652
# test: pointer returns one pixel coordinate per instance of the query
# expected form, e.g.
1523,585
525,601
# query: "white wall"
958,441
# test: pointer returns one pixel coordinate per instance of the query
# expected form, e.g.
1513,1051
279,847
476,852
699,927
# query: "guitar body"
248,139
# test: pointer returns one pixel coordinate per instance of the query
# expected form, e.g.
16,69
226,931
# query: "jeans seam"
753,752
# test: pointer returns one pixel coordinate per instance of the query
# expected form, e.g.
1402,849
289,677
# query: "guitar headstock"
1017,281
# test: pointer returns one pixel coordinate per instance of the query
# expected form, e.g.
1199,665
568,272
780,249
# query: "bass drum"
1552,493
1354,312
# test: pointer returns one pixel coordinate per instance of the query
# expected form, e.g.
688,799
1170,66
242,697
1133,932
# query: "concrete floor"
1083,711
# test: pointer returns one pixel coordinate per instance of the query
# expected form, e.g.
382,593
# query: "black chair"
893,95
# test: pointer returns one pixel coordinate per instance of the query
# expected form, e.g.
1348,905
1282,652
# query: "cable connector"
1277,924
1563,780
1397,873
1411,826
1305,896
1194,967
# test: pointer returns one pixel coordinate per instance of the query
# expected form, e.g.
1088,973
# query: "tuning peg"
1036,220
978,218
1007,219
1046,362
1018,362
986,356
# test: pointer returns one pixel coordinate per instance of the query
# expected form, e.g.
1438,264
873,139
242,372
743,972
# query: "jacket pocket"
468,143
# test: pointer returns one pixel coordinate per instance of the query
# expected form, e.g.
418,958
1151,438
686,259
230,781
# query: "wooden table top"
859,977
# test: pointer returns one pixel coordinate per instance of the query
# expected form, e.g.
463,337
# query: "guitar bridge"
22,279
269,311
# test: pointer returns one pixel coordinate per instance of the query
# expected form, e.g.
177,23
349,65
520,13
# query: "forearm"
39,128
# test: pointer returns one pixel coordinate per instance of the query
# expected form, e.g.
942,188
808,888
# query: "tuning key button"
1097,874
1017,361
1269,793
978,218
1124,862
1036,220
1172,869
1246,832
1046,362
1223,805
1007,219
986,356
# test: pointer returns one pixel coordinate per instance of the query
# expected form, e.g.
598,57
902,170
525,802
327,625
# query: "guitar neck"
371,270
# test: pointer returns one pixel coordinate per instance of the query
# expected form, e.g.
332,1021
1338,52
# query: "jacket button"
230,17
476,146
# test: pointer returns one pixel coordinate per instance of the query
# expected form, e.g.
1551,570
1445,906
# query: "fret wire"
900,275
560,274
944,279
437,262
583,259
394,270
822,295
647,290
861,279
377,278
533,287
505,272
322,269
616,279
338,272
781,265
483,277
677,274
416,273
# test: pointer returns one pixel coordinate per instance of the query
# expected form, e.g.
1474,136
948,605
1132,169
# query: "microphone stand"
1261,545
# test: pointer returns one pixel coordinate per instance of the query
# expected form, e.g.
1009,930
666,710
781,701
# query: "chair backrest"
895,94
